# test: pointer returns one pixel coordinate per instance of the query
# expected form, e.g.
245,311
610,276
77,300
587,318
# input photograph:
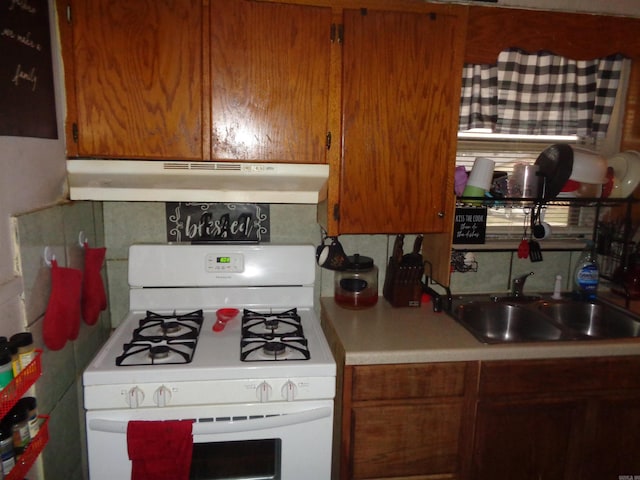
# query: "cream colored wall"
33,177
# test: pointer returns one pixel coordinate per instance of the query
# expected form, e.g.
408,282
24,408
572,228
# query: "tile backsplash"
127,223
59,389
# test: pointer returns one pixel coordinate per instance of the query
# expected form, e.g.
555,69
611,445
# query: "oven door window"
240,460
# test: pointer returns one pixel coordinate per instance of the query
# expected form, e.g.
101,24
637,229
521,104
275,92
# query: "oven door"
286,441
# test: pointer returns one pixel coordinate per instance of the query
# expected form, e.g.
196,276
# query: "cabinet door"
614,452
137,78
269,81
401,92
528,440
406,440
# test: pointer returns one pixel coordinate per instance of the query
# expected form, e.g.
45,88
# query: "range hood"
183,181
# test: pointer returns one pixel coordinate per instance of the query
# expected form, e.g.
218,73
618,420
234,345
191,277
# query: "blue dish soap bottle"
587,275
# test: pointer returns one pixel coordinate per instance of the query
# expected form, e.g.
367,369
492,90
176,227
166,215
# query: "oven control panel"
218,392
225,263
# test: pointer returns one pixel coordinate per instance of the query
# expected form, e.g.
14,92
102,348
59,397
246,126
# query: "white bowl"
588,167
626,173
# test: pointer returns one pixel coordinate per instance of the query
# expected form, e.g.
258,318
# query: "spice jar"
357,286
29,404
26,350
7,456
17,418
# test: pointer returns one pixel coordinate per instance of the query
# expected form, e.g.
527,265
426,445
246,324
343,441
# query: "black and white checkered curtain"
540,94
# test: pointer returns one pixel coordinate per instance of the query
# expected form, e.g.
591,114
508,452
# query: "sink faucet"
517,284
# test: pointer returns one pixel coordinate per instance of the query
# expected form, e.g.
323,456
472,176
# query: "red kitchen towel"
94,298
62,318
160,450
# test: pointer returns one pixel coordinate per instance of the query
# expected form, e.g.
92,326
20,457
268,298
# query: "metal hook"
49,257
82,239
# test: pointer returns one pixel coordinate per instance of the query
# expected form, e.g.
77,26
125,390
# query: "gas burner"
159,352
271,325
163,339
274,349
284,348
170,328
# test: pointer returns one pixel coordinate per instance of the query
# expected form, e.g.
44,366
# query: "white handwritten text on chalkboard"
217,222
470,225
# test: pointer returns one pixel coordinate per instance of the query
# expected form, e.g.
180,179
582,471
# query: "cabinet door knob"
441,214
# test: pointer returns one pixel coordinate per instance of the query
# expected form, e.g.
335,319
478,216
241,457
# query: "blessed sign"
217,222
470,225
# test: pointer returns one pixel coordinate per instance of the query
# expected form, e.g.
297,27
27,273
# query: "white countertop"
385,334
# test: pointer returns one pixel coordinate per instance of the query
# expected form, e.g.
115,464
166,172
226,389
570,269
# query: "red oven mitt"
94,299
160,450
62,318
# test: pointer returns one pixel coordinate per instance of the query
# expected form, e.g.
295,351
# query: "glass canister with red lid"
356,286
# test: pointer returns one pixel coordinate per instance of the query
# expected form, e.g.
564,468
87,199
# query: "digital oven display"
230,263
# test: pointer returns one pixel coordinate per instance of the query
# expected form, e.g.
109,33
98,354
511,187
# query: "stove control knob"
162,396
289,391
264,392
135,397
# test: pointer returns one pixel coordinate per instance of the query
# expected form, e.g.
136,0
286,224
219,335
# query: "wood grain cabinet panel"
401,92
405,421
563,419
406,440
384,382
528,439
269,81
616,435
136,76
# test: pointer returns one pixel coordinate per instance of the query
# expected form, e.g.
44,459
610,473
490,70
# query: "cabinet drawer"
559,375
404,381
406,440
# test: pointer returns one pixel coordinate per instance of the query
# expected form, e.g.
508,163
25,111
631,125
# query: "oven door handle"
231,426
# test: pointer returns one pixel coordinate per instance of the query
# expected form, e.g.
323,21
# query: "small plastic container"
356,287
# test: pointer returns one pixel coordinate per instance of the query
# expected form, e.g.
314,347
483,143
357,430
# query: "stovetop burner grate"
273,337
163,339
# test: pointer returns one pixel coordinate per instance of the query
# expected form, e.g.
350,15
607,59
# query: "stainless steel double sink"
536,319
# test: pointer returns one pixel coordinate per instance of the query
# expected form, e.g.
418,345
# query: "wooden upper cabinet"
401,92
136,77
269,81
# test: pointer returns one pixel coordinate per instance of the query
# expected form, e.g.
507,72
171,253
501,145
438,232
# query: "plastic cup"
473,191
481,174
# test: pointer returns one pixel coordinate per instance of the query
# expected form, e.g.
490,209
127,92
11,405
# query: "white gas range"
262,380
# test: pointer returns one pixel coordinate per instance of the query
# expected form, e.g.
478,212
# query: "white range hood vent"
182,181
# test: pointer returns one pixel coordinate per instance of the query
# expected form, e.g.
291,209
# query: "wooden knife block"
402,287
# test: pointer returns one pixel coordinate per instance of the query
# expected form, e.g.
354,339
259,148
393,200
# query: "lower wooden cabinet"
613,453
404,440
560,419
404,421
528,439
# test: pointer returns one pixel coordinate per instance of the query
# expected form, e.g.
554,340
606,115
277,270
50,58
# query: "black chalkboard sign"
217,222
470,225
27,100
